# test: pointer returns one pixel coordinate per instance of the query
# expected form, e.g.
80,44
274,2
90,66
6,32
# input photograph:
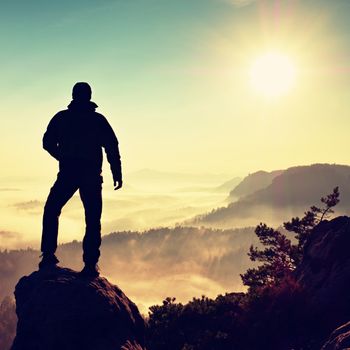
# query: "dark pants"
90,188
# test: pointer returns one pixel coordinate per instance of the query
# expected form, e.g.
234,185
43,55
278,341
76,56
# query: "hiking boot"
90,271
48,260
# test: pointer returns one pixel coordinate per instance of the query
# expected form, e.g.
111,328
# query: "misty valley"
198,245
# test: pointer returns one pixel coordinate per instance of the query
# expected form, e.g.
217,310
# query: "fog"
182,262
148,199
162,233
148,264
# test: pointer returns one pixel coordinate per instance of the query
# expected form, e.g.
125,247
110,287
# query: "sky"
172,77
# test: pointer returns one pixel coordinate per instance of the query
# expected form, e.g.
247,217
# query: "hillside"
151,265
228,185
288,315
253,182
289,194
298,312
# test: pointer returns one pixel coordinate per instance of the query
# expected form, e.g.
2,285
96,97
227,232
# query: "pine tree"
279,257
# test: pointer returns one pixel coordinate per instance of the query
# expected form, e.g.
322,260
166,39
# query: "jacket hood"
82,105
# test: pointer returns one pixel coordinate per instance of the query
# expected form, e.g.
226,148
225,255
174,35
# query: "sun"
273,74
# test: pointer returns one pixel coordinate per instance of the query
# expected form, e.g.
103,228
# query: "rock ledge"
58,309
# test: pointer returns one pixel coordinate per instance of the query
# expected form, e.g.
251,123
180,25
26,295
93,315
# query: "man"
75,137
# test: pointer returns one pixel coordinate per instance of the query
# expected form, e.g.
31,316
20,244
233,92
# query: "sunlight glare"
273,74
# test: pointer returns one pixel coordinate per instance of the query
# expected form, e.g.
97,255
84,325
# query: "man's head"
81,92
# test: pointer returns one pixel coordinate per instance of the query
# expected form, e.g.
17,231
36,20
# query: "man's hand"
120,184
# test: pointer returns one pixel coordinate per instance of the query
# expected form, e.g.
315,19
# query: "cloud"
14,240
240,3
8,235
9,239
33,204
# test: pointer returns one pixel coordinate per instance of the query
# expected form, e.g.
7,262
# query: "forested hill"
187,260
288,194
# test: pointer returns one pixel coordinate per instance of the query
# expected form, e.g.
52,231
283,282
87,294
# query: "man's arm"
110,144
50,139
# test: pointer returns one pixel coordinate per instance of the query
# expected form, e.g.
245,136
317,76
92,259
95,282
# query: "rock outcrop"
339,339
325,270
59,310
325,275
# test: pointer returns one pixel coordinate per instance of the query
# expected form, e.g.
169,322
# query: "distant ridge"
254,182
227,186
289,193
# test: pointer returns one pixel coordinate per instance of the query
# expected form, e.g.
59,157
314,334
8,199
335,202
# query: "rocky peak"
58,310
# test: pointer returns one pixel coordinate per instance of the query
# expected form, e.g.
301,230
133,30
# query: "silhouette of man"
75,137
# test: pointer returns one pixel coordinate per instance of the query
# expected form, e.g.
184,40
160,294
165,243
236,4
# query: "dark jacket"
75,137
